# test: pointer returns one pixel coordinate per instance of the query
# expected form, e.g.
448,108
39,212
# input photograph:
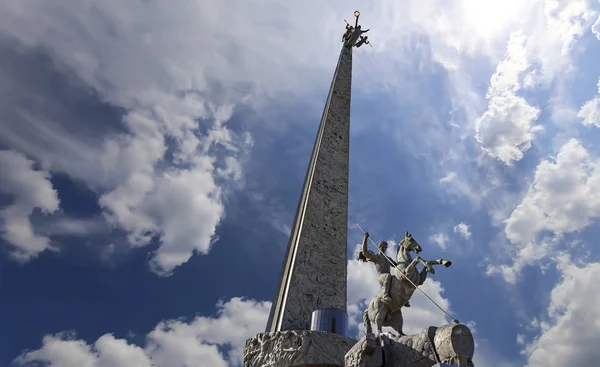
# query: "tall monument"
310,304
307,326
314,273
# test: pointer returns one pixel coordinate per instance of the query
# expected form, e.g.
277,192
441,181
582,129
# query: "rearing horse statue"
389,313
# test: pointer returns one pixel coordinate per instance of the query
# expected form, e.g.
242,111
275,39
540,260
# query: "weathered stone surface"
385,309
367,352
413,350
296,348
314,273
454,343
450,344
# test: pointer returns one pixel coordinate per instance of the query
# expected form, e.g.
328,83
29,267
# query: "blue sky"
152,155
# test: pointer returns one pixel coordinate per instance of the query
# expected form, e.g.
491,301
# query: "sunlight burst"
489,17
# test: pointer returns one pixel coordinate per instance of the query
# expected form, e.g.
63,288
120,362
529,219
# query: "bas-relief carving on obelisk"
307,323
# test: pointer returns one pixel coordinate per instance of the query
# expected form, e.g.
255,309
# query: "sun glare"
490,17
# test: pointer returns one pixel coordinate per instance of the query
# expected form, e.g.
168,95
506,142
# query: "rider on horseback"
382,265
381,310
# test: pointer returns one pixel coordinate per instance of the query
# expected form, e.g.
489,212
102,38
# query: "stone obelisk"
314,273
307,323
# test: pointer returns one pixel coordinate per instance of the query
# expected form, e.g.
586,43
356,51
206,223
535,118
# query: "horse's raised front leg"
427,264
428,267
412,265
444,262
423,274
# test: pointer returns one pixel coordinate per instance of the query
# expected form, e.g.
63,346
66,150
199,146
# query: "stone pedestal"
450,345
366,352
297,348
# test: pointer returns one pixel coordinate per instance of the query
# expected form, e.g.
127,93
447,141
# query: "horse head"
409,244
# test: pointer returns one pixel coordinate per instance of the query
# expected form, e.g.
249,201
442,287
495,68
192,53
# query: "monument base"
296,348
367,352
450,345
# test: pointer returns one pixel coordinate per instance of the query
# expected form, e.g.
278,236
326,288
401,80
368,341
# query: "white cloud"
561,199
463,230
66,351
543,60
537,54
162,178
171,343
555,34
237,320
506,129
439,239
184,206
590,111
552,47
448,178
596,28
571,334
363,286
459,186
145,58
27,190
62,225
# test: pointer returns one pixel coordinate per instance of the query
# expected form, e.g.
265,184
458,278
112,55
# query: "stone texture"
450,344
413,350
454,343
366,352
296,348
314,273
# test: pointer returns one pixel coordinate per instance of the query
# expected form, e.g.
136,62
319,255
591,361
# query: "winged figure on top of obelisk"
354,34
